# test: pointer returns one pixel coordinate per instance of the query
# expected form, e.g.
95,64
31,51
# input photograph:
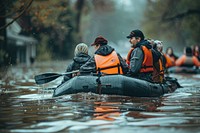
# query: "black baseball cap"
136,33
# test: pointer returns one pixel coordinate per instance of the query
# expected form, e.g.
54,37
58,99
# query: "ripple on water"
27,107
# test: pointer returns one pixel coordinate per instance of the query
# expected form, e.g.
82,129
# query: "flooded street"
27,107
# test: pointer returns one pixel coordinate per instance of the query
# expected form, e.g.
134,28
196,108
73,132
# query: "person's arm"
88,67
136,61
123,64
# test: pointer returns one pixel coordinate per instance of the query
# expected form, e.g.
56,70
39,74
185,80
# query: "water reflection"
27,107
106,111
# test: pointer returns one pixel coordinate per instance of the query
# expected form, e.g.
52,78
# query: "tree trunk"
4,56
79,7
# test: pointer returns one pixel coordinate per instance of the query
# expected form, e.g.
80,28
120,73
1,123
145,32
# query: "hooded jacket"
77,62
104,50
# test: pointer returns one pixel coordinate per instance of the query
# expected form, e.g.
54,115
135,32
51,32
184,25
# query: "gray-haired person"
80,57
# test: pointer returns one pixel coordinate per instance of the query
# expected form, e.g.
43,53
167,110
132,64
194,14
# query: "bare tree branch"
19,15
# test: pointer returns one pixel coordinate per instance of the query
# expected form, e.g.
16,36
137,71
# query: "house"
23,48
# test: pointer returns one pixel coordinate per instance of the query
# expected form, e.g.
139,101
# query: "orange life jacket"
173,59
187,61
169,62
158,73
147,64
109,64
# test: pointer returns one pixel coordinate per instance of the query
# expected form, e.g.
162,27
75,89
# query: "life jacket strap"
146,67
109,67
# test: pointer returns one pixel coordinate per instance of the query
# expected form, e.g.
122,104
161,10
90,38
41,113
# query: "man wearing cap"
140,57
105,59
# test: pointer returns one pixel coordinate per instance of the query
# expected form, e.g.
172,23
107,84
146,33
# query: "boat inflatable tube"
115,85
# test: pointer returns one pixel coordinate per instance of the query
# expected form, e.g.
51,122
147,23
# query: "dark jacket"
104,50
77,62
137,57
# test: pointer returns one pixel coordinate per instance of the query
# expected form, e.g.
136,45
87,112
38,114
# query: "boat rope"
98,80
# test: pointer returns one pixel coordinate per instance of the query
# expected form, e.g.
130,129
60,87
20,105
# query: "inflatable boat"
116,85
186,70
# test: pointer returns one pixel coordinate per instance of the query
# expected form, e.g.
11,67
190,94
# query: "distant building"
23,48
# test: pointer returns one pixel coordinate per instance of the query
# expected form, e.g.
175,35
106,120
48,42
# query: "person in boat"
187,59
159,65
140,57
105,60
80,57
166,60
170,53
169,58
196,51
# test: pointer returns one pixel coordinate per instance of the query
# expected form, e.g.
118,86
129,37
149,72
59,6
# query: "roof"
13,31
21,39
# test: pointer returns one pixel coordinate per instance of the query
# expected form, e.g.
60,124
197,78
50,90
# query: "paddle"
47,77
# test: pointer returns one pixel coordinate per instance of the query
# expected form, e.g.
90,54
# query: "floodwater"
27,107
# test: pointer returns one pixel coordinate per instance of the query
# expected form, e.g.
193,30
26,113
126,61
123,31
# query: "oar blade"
45,78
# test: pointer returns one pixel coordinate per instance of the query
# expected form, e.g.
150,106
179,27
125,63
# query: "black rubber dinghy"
116,85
